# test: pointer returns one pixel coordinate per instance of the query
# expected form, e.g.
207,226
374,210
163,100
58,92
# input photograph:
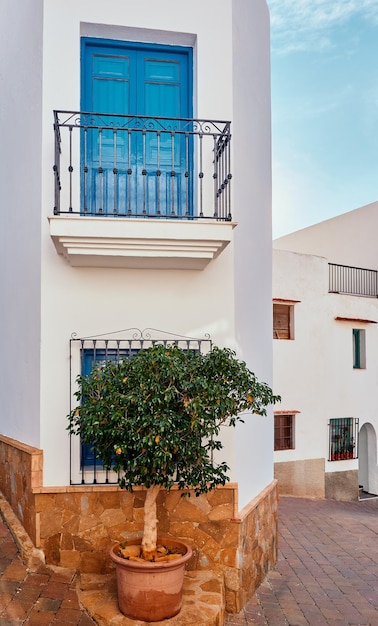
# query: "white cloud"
307,24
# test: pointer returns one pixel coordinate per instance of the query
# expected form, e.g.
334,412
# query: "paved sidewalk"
327,570
36,598
327,574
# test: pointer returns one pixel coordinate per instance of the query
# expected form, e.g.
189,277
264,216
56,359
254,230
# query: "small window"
359,348
284,431
343,433
283,321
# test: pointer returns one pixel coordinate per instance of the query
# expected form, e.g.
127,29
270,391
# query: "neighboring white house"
325,329
131,207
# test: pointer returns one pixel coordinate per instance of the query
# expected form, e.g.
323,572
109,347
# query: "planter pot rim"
151,565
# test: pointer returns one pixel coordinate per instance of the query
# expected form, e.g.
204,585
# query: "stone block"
116,499
221,495
342,486
110,517
221,512
45,502
172,499
188,511
51,523
90,582
213,585
66,502
71,526
87,522
90,504
229,557
70,558
94,563
185,530
218,530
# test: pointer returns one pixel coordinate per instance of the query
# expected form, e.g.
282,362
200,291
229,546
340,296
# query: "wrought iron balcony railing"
138,166
355,281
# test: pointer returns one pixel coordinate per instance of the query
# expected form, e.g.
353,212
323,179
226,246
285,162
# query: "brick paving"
36,598
327,574
327,569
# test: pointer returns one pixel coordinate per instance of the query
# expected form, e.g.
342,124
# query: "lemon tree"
156,419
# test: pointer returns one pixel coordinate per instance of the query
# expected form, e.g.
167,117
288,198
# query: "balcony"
141,192
355,281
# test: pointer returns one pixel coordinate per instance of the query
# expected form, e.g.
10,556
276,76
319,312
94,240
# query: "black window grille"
85,467
343,438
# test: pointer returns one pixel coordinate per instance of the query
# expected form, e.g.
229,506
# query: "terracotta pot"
147,591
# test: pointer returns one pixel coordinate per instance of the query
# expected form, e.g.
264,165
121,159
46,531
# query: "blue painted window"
90,358
121,167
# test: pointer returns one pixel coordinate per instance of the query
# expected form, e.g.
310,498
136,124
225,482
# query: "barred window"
343,435
85,467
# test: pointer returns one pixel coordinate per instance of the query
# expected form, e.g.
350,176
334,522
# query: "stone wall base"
308,479
301,478
76,525
21,468
342,485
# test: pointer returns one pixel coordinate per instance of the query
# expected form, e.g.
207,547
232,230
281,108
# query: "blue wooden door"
131,166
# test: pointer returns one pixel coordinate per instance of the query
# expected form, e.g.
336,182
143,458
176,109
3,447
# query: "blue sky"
324,109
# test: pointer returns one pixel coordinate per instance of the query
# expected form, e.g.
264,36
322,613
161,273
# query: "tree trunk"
150,523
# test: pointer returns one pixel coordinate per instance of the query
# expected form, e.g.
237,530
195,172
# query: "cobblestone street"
327,574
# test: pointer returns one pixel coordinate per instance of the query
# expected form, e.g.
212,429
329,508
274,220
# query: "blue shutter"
136,80
89,358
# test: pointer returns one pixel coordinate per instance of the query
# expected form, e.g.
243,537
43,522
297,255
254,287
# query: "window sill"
139,243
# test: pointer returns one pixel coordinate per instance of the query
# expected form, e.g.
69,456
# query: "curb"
31,556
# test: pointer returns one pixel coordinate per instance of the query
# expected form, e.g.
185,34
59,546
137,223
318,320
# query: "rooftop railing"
139,166
355,281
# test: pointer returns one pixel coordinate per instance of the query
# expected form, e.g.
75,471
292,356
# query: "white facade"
49,296
314,372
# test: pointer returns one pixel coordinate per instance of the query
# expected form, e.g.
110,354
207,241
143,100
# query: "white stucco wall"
252,207
314,372
20,205
231,298
348,239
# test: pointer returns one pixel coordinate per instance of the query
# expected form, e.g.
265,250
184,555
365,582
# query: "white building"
138,226
325,290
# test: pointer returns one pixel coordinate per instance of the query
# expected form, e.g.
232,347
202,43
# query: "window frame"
359,348
84,469
286,333
282,437
343,438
